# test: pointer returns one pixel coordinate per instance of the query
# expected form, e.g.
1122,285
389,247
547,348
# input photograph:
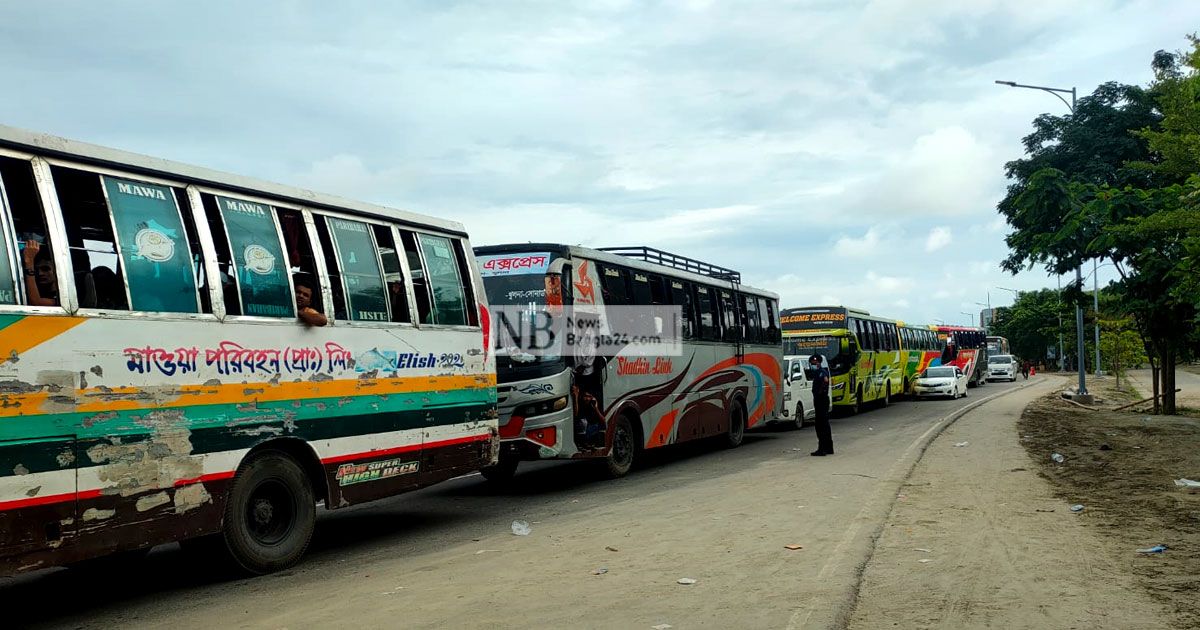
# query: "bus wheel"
270,514
857,406
737,425
800,424
624,448
502,472
887,395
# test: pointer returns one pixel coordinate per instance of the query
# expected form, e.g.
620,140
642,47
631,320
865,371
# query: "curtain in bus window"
257,258
154,248
8,285
449,301
366,295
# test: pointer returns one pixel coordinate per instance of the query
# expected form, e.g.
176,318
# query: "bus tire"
737,425
270,514
502,472
799,423
887,395
624,448
858,404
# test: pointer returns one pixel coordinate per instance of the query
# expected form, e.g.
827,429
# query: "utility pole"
1081,348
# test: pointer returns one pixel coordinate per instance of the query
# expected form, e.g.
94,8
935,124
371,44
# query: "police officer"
820,390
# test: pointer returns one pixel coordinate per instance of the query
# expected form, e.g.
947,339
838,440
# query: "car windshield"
1003,358
939,372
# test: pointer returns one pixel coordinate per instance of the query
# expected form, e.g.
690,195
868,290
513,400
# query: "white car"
941,380
1002,366
797,391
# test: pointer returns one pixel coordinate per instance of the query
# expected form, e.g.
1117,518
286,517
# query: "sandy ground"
1122,466
1186,380
979,540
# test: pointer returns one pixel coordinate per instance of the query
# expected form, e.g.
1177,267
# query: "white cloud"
857,247
938,238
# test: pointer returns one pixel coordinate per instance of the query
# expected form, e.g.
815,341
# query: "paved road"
445,557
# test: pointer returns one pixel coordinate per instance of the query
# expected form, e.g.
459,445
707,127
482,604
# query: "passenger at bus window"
41,281
85,284
304,309
109,292
950,352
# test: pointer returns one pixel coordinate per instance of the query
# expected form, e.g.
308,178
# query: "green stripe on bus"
45,442
9,320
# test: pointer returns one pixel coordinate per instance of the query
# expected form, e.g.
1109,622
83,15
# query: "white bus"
187,353
726,379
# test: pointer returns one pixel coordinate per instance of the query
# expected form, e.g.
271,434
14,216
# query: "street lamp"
1096,306
1058,92
970,317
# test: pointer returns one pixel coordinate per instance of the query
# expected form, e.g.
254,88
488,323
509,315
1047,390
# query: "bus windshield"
827,346
521,280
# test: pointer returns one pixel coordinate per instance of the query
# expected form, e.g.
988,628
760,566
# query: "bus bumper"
537,418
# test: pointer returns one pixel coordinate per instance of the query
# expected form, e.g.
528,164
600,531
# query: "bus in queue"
922,349
997,345
863,351
188,354
966,348
725,379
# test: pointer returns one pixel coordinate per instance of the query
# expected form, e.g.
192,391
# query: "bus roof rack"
658,256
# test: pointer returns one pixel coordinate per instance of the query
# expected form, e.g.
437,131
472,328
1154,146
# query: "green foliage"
1175,142
1031,324
1121,346
1118,180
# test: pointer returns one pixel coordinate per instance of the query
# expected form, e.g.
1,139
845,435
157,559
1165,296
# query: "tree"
1112,188
1031,324
1121,346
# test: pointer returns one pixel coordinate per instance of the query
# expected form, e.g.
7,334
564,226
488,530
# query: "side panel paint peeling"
152,464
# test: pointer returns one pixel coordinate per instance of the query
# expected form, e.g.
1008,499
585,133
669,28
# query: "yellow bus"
863,352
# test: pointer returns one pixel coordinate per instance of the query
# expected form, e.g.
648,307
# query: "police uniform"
820,389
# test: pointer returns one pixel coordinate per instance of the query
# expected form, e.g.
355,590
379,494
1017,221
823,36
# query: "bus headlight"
542,408
839,387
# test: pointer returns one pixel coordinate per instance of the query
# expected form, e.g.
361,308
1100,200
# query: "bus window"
254,270
152,265
681,296
750,321
709,323
416,268
446,281
766,311
460,255
641,288
360,271
729,318
614,282
658,291
18,194
392,274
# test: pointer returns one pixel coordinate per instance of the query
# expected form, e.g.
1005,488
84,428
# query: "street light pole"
1096,308
1081,348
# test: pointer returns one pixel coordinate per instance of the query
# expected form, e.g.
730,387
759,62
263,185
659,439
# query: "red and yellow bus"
965,347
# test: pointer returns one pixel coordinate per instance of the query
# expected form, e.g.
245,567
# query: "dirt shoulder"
1122,466
979,539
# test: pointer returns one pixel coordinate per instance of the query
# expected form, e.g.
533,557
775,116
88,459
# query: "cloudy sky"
833,151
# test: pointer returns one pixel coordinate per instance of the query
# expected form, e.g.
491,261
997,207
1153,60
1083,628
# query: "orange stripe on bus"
31,331
662,431
93,400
